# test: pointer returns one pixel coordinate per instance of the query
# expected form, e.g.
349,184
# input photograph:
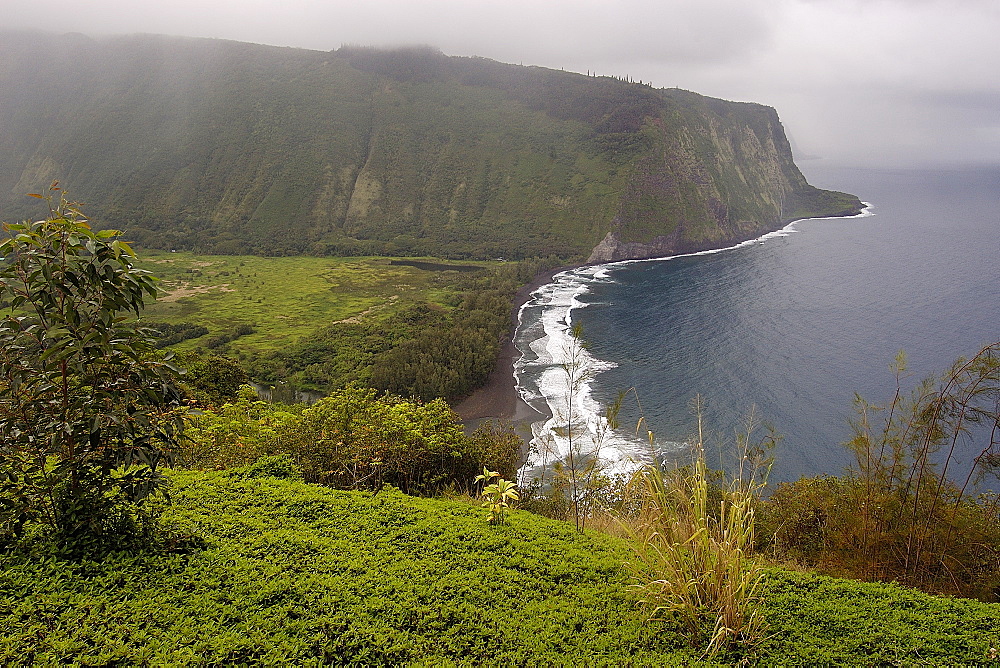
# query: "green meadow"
287,298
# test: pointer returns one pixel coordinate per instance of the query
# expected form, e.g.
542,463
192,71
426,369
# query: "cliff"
226,147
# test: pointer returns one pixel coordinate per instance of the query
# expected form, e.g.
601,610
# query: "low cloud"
887,81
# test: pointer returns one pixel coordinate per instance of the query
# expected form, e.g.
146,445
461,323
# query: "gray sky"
867,82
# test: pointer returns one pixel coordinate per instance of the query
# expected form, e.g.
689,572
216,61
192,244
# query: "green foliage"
171,334
820,621
231,148
294,574
906,511
211,379
237,433
273,466
352,439
236,332
87,413
499,444
694,562
497,495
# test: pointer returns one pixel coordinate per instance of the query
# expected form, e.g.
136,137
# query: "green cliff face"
231,148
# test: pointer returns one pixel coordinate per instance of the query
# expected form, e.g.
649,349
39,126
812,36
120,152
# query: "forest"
227,148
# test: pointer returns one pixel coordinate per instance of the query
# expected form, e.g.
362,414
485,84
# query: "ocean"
789,326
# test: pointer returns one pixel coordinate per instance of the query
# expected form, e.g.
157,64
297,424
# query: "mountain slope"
227,147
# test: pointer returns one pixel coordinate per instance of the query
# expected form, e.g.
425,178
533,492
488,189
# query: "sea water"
789,326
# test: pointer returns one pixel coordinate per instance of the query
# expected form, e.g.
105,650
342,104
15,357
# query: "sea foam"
555,374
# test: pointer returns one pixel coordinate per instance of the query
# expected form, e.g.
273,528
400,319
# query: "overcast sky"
867,82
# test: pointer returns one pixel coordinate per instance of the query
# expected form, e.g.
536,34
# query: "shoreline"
498,398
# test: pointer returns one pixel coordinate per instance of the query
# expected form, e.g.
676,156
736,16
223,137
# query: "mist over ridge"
228,147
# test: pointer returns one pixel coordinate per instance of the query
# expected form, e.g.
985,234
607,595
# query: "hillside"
292,573
226,147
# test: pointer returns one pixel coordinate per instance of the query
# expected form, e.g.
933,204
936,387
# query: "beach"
499,399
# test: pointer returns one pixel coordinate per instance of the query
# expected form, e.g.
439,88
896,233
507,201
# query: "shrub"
694,561
87,412
273,466
237,433
352,439
898,513
211,379
496,442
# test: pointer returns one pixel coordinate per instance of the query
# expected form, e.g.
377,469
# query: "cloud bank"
867,82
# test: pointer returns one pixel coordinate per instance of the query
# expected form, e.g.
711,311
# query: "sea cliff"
224,147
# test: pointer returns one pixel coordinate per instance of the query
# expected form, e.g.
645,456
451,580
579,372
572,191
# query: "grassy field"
287,298
297,574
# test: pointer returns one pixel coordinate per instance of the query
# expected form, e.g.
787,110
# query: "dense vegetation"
88,412
292,573
230,148
916,506
424,328
254,564
353,439
249,560
420,350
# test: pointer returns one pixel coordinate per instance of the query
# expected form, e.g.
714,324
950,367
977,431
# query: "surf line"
555,375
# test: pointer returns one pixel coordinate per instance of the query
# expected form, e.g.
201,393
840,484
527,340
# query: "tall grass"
693,544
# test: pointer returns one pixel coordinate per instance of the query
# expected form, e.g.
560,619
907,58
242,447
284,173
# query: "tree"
912,507
88,411
211,379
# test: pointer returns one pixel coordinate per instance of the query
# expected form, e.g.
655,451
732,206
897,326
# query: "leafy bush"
352,439
236,434
87,412
496,442
170,334
273,466
210,379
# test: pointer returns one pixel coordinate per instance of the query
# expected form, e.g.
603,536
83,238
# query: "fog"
862,82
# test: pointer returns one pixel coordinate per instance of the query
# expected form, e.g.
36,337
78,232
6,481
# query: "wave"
555,372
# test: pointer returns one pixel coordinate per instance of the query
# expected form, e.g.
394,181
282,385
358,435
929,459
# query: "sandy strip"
499,398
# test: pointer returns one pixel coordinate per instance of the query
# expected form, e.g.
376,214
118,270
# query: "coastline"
498,398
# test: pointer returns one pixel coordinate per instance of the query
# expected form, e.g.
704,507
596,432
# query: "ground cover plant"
298,573
294,573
